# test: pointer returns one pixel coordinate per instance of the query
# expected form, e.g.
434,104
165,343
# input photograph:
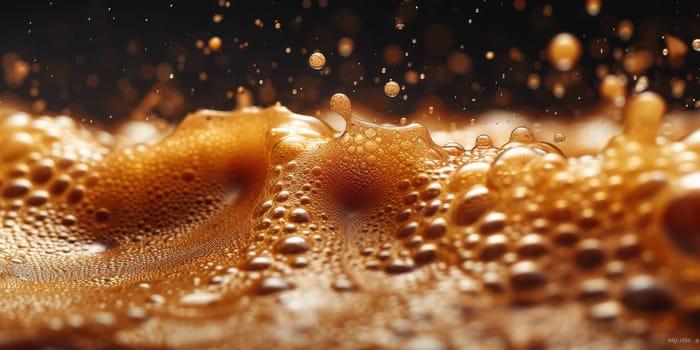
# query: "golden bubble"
559,137
490,55
340,103
564,51
391,89
696,44
346,46
593,7
612,87
217,18
215,43
317,60
625,30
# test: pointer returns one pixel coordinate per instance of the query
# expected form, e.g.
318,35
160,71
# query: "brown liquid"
266,229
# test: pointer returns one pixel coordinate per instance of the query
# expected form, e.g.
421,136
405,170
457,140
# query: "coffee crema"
261,228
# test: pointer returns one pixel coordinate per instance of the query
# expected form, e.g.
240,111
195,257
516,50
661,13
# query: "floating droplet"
564,51
215,43
317,60
392,89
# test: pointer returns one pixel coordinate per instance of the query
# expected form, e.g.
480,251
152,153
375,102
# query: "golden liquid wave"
261,228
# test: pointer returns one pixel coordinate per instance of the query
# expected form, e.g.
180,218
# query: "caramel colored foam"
267,229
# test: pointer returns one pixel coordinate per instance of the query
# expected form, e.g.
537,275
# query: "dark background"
99,59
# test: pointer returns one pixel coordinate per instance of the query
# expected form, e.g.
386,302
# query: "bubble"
345,48
343,284
199,298
589,253
559,137
526,275
426,253
293,245
340,103
17,188
392,89
593,7
317,61
396,266
625,30
215,43
696,44
647,294
613,87
605,311
16,146
564,51
509,167
272,285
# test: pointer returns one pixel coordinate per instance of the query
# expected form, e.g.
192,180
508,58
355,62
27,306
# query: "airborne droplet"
391,89
317,60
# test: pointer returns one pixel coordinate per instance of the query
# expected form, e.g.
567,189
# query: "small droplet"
317,60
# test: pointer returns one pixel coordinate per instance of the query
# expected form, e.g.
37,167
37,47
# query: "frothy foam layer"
264,228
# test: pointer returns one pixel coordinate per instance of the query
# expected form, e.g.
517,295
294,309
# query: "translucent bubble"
509,167
559,137
340,103
317,60
696,45
391,89
564,51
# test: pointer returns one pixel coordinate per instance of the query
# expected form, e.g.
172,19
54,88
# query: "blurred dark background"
104,60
